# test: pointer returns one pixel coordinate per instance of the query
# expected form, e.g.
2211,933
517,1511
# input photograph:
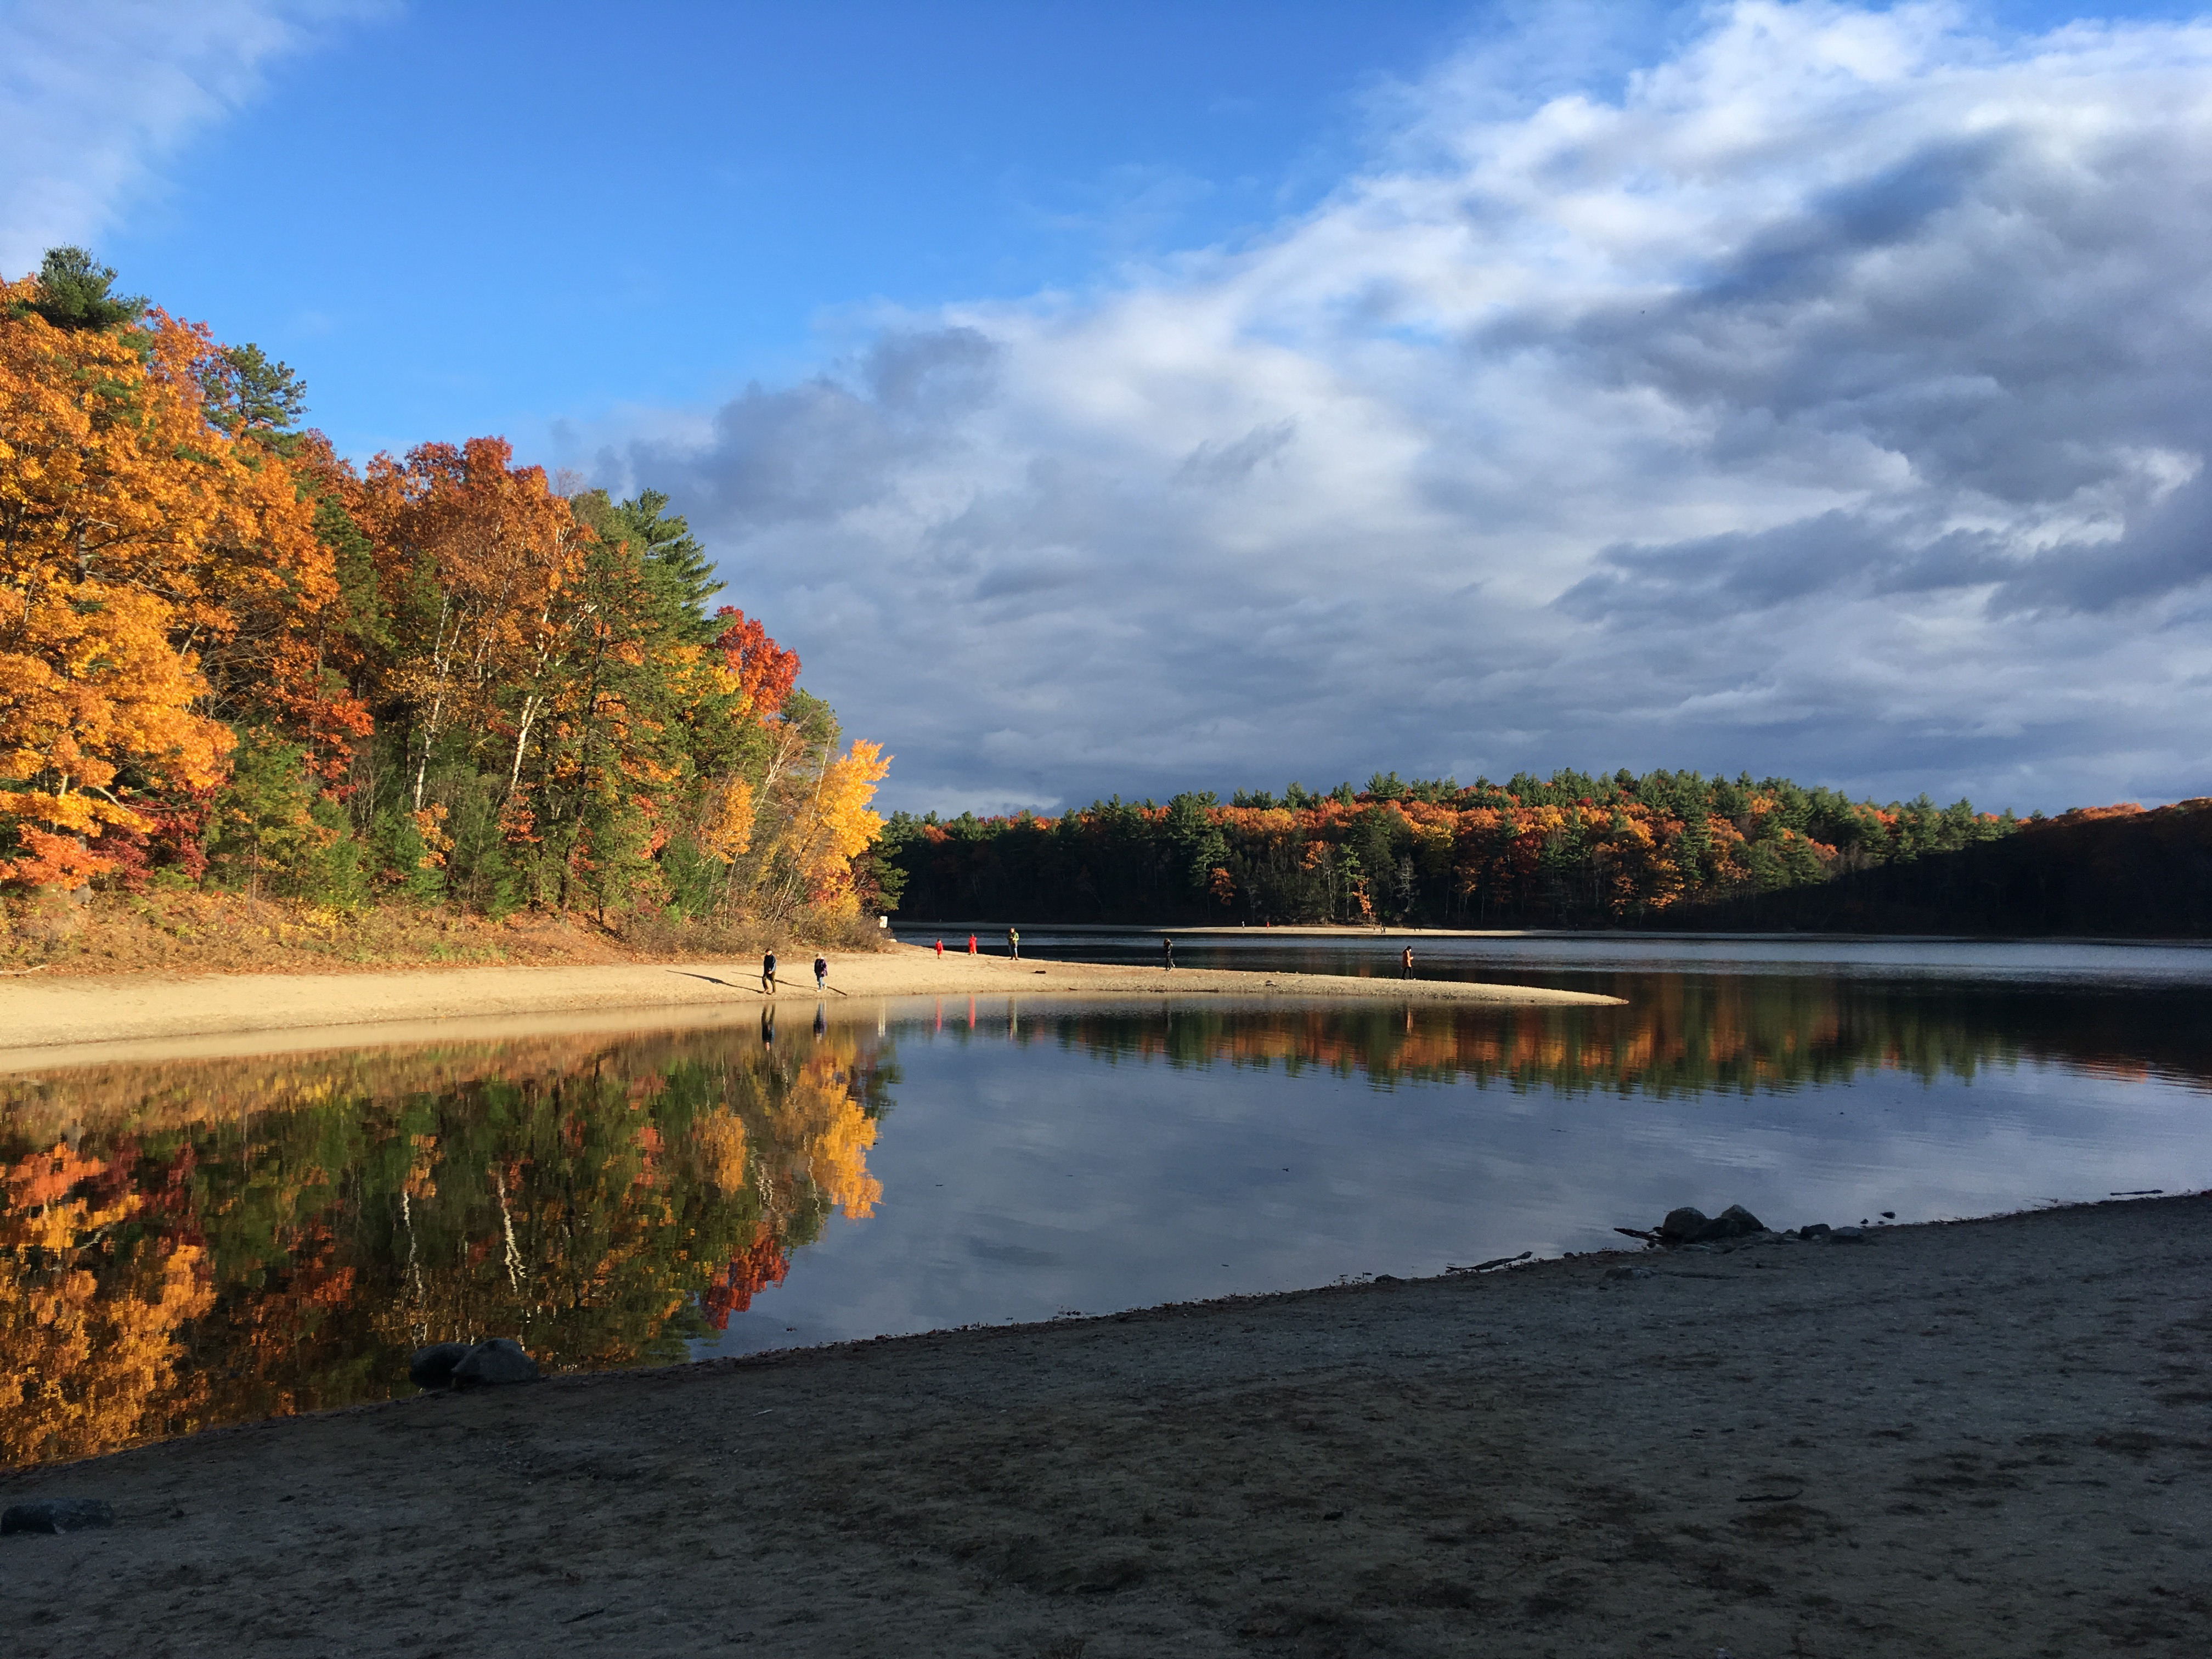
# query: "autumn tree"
473,559
226,650
150,557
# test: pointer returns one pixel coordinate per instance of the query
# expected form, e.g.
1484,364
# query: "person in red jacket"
940,950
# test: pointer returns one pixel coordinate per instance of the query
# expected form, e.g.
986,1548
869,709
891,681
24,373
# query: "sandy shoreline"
1985,1438
40,1013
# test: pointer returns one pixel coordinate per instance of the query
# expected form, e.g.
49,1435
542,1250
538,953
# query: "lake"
211,1241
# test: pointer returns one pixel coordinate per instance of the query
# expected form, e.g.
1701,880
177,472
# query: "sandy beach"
42,1012
1984,1439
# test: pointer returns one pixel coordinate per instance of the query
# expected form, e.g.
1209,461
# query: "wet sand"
38,1012
1985,1438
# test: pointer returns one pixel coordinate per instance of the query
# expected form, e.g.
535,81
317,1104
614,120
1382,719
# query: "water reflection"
203,1242
1686,1034
211,1242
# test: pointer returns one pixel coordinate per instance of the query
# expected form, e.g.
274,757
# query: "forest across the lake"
1664,849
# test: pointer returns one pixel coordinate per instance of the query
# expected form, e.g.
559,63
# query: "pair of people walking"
1013,946
768,985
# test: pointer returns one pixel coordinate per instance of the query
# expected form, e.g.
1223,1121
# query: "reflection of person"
768,973
1014,945
821,1019
822,973
1408,960
1167,954
768,1024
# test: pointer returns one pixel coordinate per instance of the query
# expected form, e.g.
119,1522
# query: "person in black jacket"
767,974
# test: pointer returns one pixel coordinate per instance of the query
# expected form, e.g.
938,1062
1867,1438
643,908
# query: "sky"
1204,394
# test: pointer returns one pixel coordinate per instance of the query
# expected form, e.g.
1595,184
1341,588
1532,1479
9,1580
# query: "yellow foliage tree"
136,534
830,822
86,1366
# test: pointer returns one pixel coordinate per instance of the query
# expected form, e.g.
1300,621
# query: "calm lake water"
208,1241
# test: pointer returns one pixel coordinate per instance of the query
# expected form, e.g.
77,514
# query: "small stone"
1848,1236
1817,1230
1682,1225
500,1360
432,1367
58,1514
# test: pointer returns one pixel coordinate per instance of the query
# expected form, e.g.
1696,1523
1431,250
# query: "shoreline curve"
46,1014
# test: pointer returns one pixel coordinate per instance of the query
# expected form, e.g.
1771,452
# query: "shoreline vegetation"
422,697
1665,851
1987,1435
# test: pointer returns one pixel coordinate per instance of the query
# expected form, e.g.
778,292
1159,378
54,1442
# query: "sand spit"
1987,1438
36,1011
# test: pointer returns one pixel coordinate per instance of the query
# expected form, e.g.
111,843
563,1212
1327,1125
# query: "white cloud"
95,94
1826,399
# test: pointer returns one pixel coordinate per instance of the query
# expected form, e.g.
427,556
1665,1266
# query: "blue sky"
1139,397
470,216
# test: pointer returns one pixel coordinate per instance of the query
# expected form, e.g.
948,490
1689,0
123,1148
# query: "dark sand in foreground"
1990,1438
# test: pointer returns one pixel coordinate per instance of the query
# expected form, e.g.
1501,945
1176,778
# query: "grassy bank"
199,932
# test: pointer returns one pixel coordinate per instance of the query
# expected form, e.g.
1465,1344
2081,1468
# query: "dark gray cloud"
1828,401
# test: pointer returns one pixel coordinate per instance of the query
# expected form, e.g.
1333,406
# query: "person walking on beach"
971,945
767,974
821,973
940,950
1014,943
1408,960
1167,954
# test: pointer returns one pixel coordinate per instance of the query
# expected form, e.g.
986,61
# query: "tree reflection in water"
205,1242
1691,1034
216,1241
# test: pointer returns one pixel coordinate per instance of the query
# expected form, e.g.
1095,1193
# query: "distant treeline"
1573,850
2116,871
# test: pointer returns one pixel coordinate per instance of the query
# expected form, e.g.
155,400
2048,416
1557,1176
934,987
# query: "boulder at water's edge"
500,1359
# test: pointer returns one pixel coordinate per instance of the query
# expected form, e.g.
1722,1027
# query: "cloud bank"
95,94
1828,397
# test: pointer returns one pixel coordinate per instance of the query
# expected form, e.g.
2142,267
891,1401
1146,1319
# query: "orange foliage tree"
157,552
